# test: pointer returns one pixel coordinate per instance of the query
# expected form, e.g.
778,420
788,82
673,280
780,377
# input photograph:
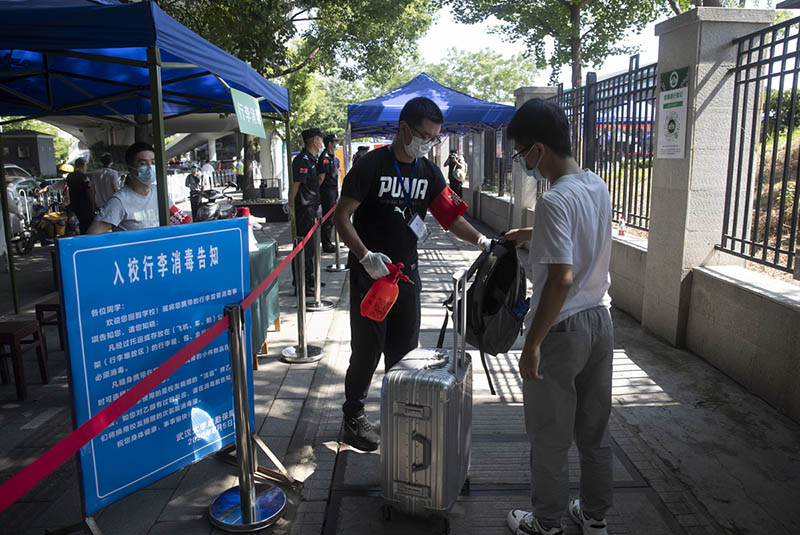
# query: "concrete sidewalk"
694,452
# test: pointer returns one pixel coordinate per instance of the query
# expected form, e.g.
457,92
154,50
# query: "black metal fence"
497,161
761,205
612,134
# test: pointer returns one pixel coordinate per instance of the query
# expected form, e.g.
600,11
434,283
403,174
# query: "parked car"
15,171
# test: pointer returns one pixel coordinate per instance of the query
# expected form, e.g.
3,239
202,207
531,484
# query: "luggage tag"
419,228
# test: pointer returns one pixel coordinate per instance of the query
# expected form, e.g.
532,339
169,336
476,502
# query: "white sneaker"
589,526
524,523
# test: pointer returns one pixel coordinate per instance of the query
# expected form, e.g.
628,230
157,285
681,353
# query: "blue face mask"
532,172
146,174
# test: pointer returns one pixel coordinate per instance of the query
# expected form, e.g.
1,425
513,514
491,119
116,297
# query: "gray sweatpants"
572,400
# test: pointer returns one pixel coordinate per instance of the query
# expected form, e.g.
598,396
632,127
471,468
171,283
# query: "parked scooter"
213,204
43,224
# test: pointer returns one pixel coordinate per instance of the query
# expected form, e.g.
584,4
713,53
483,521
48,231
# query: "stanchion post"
318,304
247,465
248,507
337,265
302,352
317,261
300,278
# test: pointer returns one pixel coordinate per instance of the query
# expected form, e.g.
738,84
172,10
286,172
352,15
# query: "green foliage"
584,32
321,101
350,38
484,74
785,114
318,50
60,144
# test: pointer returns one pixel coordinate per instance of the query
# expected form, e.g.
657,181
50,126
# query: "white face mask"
146,174
418,147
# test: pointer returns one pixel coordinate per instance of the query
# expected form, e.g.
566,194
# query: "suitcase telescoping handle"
460,308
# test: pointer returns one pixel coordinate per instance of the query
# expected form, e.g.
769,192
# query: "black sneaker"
359,433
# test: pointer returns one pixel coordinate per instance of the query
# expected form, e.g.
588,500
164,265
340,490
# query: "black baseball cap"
311,132
330,137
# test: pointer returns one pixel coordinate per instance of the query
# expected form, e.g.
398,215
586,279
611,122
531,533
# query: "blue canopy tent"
462,113
102,59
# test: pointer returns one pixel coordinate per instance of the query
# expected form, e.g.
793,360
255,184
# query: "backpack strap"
486,371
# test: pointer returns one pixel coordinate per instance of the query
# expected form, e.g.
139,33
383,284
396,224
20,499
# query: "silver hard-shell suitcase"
426,426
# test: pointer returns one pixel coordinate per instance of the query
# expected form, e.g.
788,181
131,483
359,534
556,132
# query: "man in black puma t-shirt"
388,195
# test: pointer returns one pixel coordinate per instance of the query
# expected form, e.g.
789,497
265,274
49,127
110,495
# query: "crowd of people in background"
106,198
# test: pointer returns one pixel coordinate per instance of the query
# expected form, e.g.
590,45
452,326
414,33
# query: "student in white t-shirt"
566,362
134,206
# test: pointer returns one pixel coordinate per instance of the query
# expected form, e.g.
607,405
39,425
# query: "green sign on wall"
672,107
675,79
248,114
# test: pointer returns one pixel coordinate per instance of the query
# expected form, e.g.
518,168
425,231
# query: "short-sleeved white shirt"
129,210
572,225
103,181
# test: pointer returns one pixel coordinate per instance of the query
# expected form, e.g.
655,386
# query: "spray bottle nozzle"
396,271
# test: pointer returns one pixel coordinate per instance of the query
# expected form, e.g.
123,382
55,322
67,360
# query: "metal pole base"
292,356
323,304
226,514
337,267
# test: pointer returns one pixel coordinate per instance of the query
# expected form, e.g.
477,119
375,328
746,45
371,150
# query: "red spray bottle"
383,293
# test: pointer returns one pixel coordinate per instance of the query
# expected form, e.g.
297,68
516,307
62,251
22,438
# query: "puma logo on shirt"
391,185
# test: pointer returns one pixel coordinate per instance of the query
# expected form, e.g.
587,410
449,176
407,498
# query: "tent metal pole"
94,57
290,181
7,227
157,113
346,148
49,79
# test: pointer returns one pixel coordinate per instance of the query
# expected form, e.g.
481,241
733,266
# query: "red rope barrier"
28,477
24,480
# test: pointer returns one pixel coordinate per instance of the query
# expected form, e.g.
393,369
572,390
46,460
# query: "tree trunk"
575,43
575,51
249,153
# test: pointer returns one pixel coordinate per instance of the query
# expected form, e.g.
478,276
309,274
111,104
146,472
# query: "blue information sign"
132,300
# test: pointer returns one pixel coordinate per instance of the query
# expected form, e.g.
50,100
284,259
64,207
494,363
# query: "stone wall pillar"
524,187
688,194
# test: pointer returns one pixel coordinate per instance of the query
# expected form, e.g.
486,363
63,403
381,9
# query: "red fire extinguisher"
383,293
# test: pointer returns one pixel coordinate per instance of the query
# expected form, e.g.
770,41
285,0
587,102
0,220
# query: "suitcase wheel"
386,512
466,487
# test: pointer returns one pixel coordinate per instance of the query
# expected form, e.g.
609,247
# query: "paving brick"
688,520
672,497
198,526
147,503
282,418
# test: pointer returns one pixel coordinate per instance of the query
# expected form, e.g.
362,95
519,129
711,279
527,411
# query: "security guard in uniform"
328,165
305,191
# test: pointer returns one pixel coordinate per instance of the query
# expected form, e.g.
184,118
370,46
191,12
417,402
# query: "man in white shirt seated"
135,205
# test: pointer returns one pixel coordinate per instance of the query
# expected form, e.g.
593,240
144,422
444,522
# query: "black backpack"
496,302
